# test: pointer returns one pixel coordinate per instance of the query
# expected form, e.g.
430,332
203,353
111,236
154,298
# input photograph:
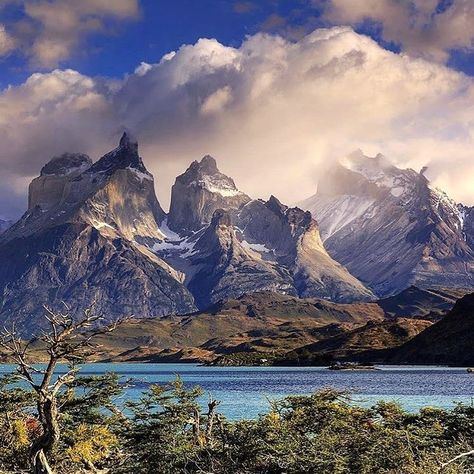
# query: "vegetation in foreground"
167,432
71,424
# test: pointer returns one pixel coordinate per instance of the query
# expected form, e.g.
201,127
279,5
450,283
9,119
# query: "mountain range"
406,231
375,241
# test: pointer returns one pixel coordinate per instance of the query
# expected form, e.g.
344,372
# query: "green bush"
168,432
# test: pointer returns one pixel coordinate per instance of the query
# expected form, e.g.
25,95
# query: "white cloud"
217,101
419,26
272,112
7,43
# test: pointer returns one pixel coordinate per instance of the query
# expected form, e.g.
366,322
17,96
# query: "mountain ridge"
406,231
95,231
82,241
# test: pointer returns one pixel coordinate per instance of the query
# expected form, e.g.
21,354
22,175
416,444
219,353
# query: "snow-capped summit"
204,174
198,192
390,227
379,171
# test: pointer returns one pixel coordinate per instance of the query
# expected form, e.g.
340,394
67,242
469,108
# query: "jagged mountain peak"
124,156
128,141
275,205
198,192
205,174
359,161
115,195
221,218
379,170
296,218
207,165
274,225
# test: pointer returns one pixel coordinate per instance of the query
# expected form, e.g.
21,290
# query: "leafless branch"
456,458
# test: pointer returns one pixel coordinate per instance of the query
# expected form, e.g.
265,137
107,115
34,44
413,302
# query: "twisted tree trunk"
48,416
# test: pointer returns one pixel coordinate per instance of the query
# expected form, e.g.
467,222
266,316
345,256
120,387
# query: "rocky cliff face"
260,246
198,193
51,186
223,268
291,237
115,195
83,239
391,228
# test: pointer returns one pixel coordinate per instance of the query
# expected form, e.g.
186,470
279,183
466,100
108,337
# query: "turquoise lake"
244,391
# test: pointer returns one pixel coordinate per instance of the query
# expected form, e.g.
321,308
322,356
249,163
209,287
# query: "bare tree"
66,340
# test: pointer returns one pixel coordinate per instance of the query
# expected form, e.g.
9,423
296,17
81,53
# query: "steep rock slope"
405,231
448,342
291,237
80,241
223,268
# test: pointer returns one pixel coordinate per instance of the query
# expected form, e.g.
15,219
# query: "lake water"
244,391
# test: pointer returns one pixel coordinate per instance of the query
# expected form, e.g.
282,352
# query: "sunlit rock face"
391,228
84,239
116,195
247,245
222,267
198,193
291,237
50,187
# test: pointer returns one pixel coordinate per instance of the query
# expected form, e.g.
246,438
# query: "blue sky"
162,26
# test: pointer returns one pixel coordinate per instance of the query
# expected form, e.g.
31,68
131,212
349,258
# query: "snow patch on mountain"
334,214
255,247
442,202
219,186
379,171
172,242
140,174
184,247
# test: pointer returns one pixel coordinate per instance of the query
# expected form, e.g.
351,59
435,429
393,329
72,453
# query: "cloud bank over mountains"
272,111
